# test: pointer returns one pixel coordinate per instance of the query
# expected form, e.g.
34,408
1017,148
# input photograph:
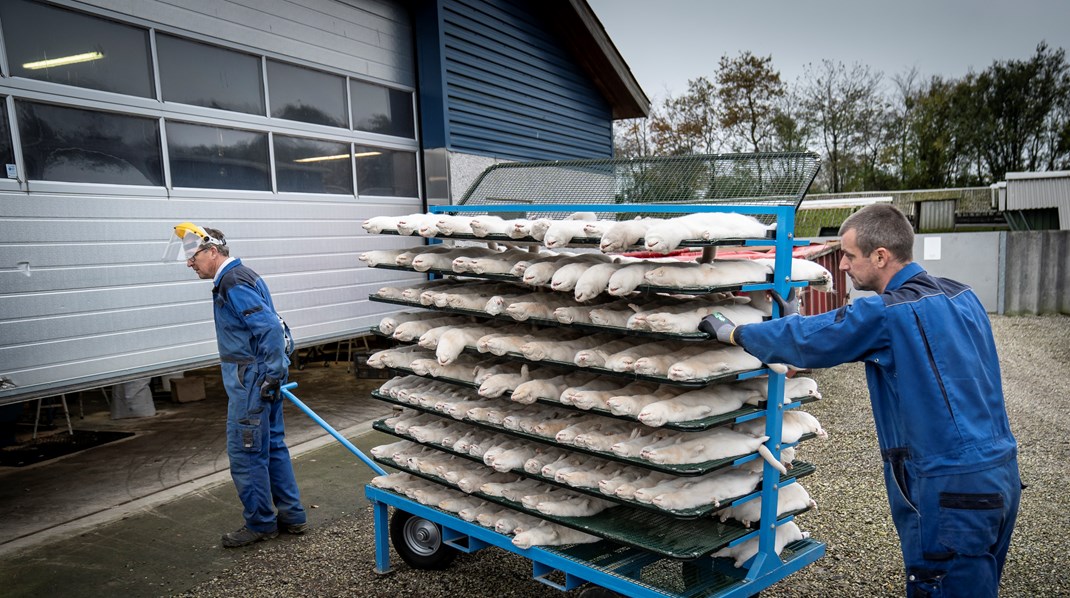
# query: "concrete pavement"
143,516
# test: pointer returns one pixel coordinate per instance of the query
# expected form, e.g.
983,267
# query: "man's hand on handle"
270,390
719,326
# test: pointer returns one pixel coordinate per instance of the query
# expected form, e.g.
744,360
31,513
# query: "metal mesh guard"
741,179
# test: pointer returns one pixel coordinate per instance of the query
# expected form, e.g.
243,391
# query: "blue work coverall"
252,346
950,460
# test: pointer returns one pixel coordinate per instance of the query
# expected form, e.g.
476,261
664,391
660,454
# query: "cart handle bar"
319,420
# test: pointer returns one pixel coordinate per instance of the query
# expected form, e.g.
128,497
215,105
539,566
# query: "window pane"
204,75
217,158
70,144
385,172
378,109
61,46
306,95
312,165
7,155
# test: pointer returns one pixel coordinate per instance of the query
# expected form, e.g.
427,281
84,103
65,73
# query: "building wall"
1039,190
513,91
84,297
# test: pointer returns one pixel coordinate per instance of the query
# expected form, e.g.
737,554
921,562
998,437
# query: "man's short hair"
221,247
882,225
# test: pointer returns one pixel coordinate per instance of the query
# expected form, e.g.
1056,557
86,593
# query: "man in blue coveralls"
253,347
950,461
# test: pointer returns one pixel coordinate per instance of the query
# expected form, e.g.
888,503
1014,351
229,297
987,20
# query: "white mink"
714,362
640,440
628,278
471,482
593,385
699,447
444,261
550,469
792,497
407,225
526,487
730,225
548,389
501,344
566,277
535,229
590,473
596,356
389,323
454,225
543,457
624,361
550,534
457,504
453,342
542,272
542,309
561,233
596,399
688,321
499,384
716,274
797,387
581,506
627,490
513,458
696,404
483,226
658,365
806,270
499,488
612,315
785,534
632,404
709,489
375,360
795,423
383,256
531,501
413,329
554,350
601,440
593,281
517,523
490,518
378,224
389,450
624,234
667,235
399,359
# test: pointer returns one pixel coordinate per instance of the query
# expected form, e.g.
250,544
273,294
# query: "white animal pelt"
551,534
785,534
792,497
795,424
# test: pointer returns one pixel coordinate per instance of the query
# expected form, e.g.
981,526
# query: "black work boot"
245,537
294,528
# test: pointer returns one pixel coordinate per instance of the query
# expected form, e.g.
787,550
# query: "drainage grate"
56,445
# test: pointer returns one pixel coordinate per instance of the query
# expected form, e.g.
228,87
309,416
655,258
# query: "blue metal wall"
513,91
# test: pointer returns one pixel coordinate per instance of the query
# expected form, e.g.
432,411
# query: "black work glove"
789,307
719,326
270,390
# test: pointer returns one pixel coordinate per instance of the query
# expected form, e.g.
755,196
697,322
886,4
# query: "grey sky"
667,42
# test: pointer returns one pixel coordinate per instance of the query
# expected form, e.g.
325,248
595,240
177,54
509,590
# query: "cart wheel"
419,542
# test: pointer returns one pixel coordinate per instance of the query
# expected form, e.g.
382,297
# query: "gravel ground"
862,557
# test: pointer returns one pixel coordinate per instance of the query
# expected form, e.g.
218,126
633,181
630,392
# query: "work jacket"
247,328
931,368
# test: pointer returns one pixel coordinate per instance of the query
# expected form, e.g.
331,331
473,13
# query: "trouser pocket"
970,523
248,436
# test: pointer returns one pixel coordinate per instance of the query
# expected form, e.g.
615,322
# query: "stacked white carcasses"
570,412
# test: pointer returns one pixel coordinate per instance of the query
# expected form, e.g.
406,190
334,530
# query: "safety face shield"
185,242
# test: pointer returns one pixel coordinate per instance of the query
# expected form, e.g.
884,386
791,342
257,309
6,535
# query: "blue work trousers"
955,529
259,460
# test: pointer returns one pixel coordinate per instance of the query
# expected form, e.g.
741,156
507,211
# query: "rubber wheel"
419,542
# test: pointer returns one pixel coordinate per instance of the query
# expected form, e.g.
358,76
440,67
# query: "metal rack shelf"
685,469
799,469
735,416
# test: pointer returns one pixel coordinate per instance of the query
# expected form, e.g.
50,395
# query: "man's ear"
881,257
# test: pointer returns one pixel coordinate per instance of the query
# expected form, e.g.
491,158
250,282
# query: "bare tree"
835,99
749,88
